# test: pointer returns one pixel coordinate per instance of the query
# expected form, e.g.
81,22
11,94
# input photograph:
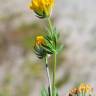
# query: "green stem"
54,65
48,75
50,25
54,74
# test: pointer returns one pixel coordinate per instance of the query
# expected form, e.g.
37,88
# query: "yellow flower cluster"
39,40
83,88
42,8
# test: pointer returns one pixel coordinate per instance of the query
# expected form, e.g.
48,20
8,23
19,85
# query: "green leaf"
44,92
59,49
56,92
48,49
48,39
55,41
49,43
49,32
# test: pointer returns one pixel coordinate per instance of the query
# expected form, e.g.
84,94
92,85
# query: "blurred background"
21,72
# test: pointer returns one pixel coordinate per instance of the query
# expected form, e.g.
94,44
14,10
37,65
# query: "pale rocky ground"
76,19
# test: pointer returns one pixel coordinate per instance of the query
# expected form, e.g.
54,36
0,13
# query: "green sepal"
41,16
39,51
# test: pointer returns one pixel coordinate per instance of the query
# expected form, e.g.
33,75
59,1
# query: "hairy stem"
48,76
54,74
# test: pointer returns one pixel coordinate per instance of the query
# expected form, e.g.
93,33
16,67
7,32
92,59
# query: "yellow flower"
40,40
42,8
85,88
